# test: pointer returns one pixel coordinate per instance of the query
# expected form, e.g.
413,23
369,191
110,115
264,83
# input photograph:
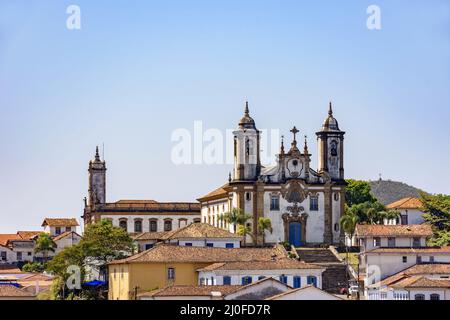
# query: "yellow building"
166,265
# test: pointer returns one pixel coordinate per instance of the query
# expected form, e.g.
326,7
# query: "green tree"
244,231
101,243
437,213
348,222
368,212
33,267
358,191
44,244
264,224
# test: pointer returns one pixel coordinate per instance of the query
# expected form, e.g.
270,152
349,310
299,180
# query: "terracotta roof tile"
150,206
365,230
218,193
60,222
406,203
172,253
200,230
421,282
150,235
11,291
180,290
4,238
27,235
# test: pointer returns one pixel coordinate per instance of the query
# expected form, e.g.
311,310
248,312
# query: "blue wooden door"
295,235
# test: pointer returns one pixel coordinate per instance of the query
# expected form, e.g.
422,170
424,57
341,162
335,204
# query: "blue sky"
137,70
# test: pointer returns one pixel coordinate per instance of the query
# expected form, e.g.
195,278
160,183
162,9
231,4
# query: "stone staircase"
334,278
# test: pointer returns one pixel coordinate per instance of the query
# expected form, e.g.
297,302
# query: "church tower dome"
246,121
330,123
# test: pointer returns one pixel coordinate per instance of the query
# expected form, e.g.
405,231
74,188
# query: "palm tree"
263,225
44,244
232,217
389,215
348,223
245,230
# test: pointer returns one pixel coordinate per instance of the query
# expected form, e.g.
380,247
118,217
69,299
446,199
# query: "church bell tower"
247,165
97,181
331,148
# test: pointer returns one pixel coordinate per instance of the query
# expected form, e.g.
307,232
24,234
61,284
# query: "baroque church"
304,205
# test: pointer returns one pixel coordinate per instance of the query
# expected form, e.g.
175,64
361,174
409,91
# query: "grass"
352,258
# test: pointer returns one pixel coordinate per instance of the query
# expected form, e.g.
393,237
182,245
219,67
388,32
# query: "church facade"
304,205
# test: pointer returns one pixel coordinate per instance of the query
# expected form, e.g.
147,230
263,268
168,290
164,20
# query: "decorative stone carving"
294,192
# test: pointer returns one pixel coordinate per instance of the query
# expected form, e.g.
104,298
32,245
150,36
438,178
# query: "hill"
387,191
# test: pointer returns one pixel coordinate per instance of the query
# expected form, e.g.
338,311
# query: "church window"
226,281
248,196
138,226
336,196
168,225
336,227
419,297
274,202
153,225
434,296
334,148
123,224
171,273
314,203
246,280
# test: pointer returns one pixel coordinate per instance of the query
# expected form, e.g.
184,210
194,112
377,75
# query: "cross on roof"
295,131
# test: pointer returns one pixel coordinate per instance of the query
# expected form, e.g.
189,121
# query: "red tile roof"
28,235
10,291
4,238
378,230
218,193
406,203
281,264
60,222
411,250
172,253
200,230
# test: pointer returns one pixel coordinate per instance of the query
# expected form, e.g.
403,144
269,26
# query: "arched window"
226,281
167,225
333,148
246,280
123,224
153,225
138,225
435,296
419,297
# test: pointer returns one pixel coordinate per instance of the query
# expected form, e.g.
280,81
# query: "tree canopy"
437,213
357,192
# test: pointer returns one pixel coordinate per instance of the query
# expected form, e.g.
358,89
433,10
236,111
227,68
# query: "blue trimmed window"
297,282
229,245
283,279
226,281
312,280
246,280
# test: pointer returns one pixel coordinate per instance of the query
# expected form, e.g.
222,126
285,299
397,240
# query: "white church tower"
247,165
330,141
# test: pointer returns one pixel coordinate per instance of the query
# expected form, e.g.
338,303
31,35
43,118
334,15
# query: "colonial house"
288,271
304,205
381,263
66,239
428,281
410,210
165,265
135,216
56,226
376,236
195,234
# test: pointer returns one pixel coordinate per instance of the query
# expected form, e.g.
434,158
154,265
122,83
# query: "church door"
295,229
